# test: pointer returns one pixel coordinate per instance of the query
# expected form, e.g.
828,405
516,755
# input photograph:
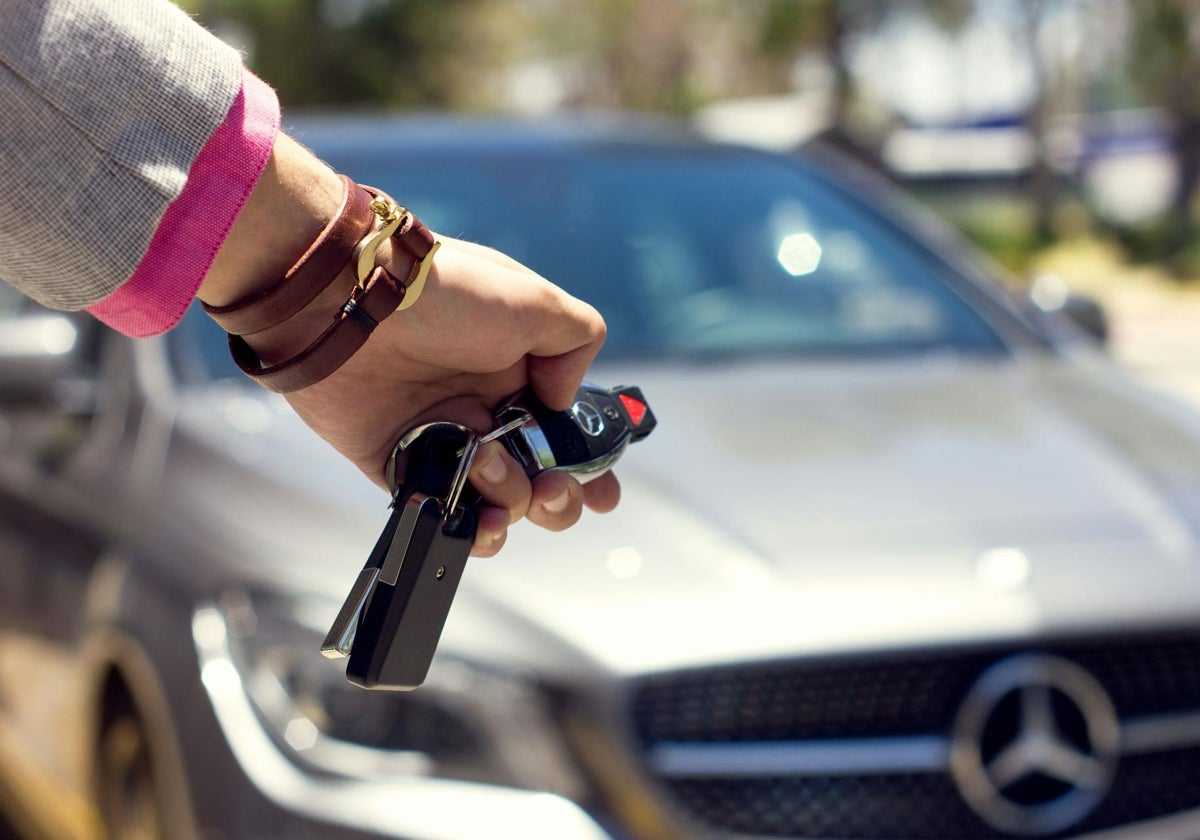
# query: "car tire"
127,789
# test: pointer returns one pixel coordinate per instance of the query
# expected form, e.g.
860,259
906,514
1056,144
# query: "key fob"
392,620
402,621
390,624
586,440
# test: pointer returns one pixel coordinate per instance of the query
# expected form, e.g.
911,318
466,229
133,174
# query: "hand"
484,328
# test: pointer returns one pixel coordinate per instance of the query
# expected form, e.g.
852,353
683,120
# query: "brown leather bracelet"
311,274
376,296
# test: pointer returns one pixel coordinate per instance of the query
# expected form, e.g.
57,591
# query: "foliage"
358,53
1166,67
676,55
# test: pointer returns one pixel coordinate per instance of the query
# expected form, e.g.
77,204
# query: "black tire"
127,791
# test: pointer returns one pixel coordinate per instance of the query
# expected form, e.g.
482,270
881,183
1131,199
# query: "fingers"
567,346
553,500
501,481
506,493
491,533
566,332
557,501
603,493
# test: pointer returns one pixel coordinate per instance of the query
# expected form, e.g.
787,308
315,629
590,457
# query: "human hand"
484,328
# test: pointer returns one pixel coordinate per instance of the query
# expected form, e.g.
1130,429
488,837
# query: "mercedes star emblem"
1035,744
588,417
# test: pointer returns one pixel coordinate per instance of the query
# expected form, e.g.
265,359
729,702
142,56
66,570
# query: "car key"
392,620
586,440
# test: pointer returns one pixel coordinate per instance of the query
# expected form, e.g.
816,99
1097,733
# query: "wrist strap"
376,296
311,274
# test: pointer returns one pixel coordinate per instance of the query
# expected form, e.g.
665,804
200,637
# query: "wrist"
293,200
290,332
293,335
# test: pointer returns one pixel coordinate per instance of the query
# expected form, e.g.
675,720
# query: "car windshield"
693,253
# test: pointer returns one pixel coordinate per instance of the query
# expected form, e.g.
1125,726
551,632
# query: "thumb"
558,363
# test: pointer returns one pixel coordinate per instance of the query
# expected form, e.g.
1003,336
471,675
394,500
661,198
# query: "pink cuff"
187,239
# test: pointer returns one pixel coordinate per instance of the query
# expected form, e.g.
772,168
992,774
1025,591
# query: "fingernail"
495,470
559,503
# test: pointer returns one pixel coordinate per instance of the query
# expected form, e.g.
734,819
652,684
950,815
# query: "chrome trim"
878,756
584,473
803,758
407,440
537,445
1160,733
409,806
1032,745
340,638
588,418
1173,827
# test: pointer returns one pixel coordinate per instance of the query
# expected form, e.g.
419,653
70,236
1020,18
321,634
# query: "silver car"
904,559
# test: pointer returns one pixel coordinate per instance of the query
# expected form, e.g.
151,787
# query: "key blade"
340,638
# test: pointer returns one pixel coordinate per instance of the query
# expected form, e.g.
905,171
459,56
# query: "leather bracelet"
312,273
376,295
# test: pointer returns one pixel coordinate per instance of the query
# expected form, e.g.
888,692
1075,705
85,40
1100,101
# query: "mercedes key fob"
585,440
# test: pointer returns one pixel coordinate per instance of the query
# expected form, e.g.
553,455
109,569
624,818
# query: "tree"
1165,65
359,53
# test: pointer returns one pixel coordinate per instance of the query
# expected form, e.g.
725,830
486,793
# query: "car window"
698,253
685,253
199,350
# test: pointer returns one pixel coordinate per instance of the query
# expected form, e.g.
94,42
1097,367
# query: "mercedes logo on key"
1035,744
588,417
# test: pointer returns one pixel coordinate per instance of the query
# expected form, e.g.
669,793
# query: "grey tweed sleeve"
105,105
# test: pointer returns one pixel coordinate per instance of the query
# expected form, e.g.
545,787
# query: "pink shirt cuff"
187,239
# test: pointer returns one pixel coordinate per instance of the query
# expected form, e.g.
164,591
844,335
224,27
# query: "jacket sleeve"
106,105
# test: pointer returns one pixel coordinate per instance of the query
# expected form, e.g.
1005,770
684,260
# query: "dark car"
904,559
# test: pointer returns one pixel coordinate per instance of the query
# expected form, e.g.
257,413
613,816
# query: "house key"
390,623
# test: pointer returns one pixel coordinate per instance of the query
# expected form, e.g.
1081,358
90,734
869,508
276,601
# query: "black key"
584,441
391,622
402,622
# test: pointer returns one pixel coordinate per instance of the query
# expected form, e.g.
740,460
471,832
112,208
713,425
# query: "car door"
51,540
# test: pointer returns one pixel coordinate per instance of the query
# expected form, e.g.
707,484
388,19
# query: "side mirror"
1050,294
43,357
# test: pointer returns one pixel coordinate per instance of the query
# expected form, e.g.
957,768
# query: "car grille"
905,696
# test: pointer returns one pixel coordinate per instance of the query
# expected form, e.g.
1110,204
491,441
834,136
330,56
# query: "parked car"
904,559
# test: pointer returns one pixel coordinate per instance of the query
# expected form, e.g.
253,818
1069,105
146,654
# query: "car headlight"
468,721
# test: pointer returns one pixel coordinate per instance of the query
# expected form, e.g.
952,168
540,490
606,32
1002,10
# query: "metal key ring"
502,430
465,459
408,439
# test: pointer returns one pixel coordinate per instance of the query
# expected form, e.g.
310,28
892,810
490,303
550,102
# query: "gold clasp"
391,217
416,277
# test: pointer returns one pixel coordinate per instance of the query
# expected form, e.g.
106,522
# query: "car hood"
789,509
782,509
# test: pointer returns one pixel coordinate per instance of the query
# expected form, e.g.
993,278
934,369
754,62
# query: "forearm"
484,327
189,186
107,103
294,198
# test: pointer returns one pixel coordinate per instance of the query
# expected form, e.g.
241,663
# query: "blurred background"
946,491
1061,135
